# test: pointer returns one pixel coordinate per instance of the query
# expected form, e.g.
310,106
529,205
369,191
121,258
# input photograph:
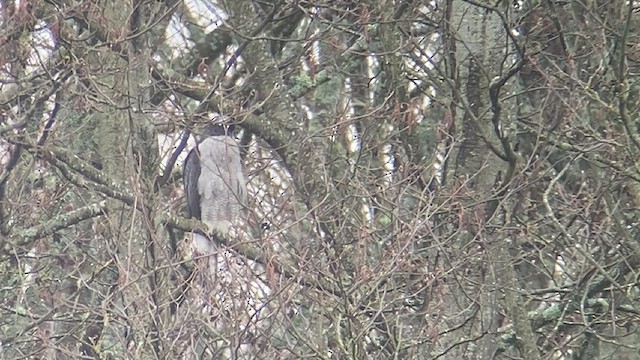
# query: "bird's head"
215,127
219,129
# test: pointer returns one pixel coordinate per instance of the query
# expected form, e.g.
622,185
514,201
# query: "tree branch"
59,222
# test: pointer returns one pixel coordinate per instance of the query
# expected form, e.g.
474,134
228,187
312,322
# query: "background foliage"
449,179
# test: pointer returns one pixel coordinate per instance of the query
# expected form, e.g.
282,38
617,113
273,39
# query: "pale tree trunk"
481,59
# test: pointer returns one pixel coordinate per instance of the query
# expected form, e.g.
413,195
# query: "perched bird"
214,181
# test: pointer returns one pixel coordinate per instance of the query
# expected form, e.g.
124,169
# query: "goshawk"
214,181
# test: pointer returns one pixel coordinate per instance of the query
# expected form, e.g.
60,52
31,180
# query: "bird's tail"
204,247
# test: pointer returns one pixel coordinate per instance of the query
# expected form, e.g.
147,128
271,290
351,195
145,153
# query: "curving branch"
59,222
251,252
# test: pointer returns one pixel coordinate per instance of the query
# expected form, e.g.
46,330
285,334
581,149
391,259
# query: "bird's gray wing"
190,177
237,178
